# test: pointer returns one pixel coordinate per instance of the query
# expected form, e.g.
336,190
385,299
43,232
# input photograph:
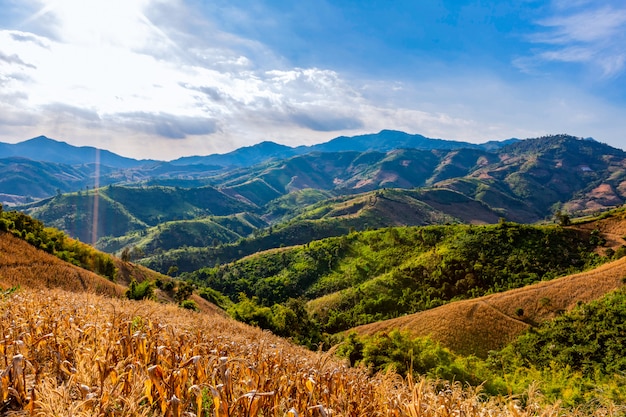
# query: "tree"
184,291
137,253
562,218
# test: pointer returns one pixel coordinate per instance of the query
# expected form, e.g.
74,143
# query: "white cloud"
589,33
163,81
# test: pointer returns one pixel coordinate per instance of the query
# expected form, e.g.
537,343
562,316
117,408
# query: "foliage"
140,291
364,277
57,243
189,305
183,291
420,356
215,297
289,319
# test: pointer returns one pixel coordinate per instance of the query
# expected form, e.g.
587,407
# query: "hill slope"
21,264
488,323
96,355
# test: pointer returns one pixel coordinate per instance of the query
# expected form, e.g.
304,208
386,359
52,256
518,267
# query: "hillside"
488,323
118,357
364,277
68,348
119,210
178,367
522,181
21,264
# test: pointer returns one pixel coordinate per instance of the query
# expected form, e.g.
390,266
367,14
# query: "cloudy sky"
167,78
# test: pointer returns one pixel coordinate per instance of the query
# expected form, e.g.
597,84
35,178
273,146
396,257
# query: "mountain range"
369,181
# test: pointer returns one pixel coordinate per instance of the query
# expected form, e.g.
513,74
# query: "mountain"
66,168
245,156
387,140
45,149
526,181
28,179
384,141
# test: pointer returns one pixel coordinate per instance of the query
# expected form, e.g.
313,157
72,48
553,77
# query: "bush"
189,305
140,291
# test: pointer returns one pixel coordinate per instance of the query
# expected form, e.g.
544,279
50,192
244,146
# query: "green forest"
365,277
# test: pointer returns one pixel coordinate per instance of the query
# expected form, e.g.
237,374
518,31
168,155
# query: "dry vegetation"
23,265
70,349
479,325
85,355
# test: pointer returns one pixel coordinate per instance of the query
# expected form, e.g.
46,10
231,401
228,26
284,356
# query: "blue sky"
167,78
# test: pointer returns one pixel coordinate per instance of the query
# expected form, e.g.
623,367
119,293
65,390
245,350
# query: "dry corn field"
70,354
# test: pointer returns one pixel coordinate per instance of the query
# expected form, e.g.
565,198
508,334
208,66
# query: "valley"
429,260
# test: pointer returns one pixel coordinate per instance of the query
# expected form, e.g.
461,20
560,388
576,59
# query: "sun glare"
97,22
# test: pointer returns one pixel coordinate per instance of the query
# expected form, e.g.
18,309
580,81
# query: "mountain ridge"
44,149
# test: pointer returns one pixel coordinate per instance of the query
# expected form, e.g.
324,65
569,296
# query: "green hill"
118,210
181,234
374,275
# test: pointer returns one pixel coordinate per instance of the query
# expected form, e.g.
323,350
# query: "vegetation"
21,264
86,355
577,358
364,277
57,243
591,339
140,291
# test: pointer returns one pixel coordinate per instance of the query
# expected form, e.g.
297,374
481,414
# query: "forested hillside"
369,276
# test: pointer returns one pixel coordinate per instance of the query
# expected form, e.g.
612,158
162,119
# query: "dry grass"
71,354
24,265
76,353
479,325
612,229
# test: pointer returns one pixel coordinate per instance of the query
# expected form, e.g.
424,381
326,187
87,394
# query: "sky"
161,79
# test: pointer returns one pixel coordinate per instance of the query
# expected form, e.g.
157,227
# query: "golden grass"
487,323
80,354
24,265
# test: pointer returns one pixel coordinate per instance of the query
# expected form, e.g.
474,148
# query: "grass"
21,264
479,325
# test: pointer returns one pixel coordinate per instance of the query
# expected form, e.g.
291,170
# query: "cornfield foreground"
70,354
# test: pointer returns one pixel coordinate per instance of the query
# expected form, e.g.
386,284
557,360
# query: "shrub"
189,305
140,291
